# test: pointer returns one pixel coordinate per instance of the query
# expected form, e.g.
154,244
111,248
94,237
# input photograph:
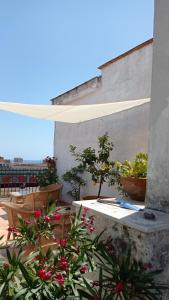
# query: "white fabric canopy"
70,113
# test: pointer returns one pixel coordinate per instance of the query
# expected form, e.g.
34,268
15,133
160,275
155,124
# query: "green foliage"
136,168
97,163
30,233
60,274
55,274
121,277
74,178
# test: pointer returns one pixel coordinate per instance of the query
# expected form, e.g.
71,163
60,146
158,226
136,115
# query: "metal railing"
18,179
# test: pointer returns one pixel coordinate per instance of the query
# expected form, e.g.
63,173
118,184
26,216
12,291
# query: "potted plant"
49,176
97,163
132,176
74,178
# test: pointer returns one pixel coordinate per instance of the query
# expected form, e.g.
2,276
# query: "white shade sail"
70,113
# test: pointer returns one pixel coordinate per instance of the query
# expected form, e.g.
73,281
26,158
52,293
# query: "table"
18,197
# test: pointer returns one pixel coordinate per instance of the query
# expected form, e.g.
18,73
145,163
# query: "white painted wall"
158,175
126,79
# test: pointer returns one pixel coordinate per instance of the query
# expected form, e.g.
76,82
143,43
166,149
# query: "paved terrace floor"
3,221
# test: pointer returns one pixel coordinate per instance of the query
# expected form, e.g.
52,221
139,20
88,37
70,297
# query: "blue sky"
48,47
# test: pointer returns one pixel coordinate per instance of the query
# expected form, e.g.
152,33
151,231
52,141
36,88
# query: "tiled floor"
3,224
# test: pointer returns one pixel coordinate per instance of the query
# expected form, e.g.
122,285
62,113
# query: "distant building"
4,162
18,160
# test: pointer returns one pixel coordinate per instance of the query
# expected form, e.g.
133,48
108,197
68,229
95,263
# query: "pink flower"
48,275
83,269
91,229
47,219
28,222
82,218
60,278
57,216
91,218
6,266
12,229
119,287
85,210
42,274
63,263
37,213
63,242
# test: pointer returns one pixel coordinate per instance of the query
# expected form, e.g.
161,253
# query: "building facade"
126,77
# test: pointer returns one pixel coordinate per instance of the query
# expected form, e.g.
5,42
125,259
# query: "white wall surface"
126,79
128,131
158,175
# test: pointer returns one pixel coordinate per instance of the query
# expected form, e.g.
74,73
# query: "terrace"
134,243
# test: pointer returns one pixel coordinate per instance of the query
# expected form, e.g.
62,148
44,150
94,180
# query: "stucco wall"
158,175
128,130
126,79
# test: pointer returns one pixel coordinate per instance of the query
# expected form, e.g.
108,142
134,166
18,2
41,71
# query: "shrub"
74,178
61,273
49,176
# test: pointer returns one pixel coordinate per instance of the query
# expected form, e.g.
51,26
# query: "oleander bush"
62,273
49,176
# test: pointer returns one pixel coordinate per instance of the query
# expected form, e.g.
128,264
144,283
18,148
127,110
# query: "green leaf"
26,275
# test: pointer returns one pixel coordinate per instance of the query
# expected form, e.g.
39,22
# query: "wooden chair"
63,225
13,210
40,199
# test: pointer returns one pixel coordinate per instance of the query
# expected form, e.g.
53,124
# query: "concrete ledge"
128,217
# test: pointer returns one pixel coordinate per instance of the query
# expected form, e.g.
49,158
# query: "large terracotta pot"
48,187
134,187
93,197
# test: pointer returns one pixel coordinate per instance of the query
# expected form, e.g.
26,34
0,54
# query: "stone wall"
148,238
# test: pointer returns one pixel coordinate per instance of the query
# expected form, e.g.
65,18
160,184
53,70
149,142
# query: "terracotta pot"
134,187
93,197
48,187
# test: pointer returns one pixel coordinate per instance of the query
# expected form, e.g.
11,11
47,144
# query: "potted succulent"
97,163
132,176
74,178
49,177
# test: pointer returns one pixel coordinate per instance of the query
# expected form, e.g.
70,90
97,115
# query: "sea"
32,161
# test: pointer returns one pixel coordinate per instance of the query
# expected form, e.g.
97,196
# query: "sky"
49,46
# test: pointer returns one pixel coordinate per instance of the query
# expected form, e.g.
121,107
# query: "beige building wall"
127,77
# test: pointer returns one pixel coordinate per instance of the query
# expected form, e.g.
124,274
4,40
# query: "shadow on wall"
128,130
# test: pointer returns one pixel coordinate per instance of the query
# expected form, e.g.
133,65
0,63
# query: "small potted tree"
74,178
97,163
132,176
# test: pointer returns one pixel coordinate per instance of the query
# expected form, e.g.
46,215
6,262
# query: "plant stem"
100,186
